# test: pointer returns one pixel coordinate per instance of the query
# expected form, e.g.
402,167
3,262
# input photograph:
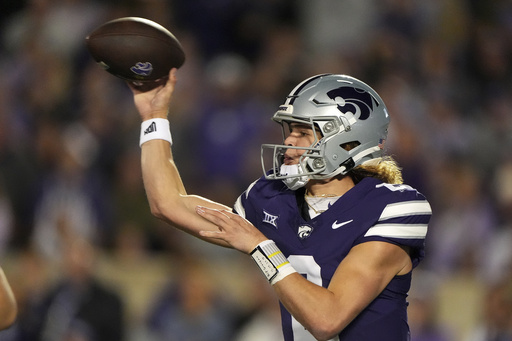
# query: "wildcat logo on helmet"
349,99
305,231
142,69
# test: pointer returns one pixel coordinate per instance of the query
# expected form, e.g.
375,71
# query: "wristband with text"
271,261
155,129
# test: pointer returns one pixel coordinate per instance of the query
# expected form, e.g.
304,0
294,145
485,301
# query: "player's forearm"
315,307
162,181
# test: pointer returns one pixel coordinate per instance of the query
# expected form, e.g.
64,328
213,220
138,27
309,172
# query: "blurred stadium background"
88,262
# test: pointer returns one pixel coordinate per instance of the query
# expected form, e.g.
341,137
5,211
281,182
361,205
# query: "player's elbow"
163,214
159,208
324,334
157,211
324,329
169,212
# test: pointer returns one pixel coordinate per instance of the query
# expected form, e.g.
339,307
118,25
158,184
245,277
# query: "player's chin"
291,162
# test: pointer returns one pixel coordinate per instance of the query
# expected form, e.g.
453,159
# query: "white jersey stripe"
410,231
249,188
239,208
407,208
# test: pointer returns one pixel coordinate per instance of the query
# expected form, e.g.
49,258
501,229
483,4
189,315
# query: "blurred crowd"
88,262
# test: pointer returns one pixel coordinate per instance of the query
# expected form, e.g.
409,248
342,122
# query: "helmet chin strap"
293,182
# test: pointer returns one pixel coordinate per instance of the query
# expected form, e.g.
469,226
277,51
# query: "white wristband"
155,129
282,272
271,261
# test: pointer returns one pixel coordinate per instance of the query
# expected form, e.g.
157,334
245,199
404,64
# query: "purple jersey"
370,211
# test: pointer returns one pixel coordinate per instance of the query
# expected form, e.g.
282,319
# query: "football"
137,50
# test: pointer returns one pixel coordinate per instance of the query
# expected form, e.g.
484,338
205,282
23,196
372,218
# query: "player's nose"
290,141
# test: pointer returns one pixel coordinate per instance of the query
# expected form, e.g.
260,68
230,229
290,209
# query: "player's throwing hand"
154,103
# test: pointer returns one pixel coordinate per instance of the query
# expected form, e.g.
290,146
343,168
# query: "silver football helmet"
344,110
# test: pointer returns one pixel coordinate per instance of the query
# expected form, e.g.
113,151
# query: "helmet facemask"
313,163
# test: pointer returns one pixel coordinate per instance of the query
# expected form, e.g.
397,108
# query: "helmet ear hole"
350,145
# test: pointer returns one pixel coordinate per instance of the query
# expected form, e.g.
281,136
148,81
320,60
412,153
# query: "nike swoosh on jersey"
336,225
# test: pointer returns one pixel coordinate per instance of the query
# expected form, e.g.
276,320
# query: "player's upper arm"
364,273
403,221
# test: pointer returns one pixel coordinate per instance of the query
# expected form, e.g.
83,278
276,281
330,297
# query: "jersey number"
305,265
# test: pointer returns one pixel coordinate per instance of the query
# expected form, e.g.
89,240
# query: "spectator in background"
262,321
6,219
465,219
496,322
423,309
230,120
78,305
72,202
498,263
191,308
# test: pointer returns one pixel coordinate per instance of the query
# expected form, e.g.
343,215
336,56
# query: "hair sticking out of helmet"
346,111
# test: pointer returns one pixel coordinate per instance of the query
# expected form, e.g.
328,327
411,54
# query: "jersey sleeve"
242,201
403,221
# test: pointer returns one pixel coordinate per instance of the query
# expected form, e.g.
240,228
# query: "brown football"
136,49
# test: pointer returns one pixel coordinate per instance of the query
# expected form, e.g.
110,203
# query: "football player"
329,224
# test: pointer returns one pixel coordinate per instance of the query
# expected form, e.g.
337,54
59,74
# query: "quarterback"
330,223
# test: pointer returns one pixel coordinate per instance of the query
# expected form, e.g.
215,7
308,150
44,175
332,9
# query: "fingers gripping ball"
137,50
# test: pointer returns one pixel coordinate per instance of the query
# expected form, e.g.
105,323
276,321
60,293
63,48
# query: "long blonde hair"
385,169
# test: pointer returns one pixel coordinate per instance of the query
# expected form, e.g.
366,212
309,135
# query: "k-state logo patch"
270,218
305,231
